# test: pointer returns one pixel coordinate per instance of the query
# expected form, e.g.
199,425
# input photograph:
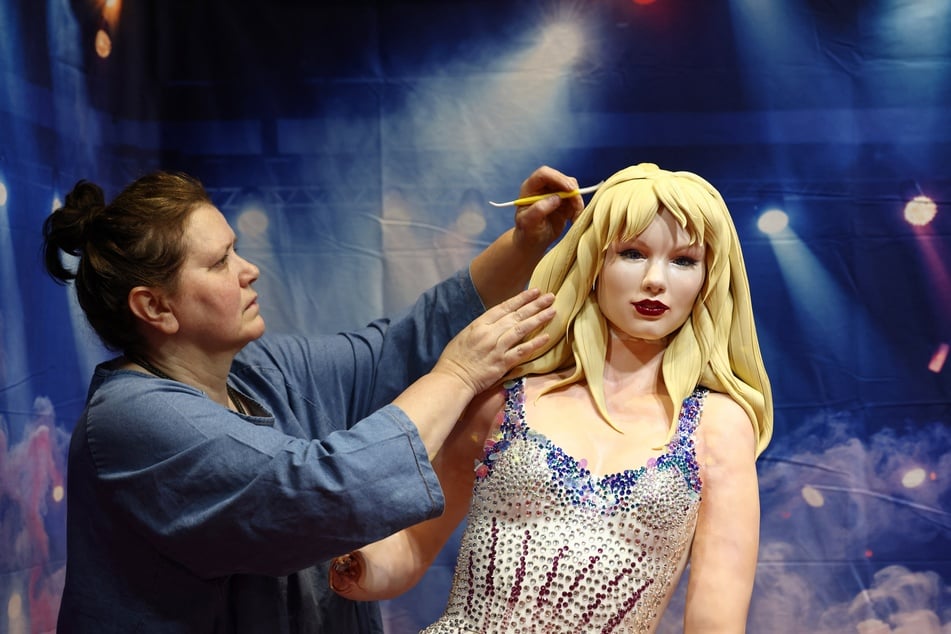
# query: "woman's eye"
685,261
631,254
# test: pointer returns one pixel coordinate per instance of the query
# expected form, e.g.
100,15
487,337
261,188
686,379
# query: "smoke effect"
847,526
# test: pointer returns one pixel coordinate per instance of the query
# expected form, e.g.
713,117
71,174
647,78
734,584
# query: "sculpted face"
648,285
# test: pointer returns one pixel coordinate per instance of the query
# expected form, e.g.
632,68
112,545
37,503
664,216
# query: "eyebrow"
222,250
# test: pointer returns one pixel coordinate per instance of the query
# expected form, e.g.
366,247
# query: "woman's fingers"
496,342
525,321
523,306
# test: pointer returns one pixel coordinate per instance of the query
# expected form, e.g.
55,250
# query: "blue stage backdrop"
355,145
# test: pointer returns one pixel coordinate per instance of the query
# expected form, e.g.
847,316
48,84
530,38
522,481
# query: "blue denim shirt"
184,516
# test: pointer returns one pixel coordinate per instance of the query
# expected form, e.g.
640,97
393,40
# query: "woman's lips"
650,308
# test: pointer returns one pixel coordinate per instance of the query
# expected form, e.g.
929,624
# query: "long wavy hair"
716,347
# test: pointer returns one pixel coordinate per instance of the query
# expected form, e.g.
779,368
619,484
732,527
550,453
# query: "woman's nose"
250,273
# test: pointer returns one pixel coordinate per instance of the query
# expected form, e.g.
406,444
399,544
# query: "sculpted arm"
723,557
391,566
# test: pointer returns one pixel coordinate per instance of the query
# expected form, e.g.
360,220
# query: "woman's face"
648,285
216,308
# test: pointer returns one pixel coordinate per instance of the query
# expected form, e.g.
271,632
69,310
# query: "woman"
624,449
214,470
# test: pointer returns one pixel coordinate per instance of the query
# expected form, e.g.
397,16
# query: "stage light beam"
561,44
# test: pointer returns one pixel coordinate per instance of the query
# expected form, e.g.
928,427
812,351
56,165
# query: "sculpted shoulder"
725,434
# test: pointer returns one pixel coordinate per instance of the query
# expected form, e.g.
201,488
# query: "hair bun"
85,203
67,229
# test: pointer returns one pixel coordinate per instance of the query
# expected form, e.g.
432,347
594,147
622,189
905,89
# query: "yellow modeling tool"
528,200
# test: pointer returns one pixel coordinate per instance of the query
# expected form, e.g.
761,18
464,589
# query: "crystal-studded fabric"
550,548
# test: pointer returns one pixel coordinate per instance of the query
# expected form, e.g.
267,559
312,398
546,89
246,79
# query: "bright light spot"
58,493
3,194
253,222
869,554
15,606
920,210
110,12
772,221
57,203
932,476
643,2
103,44
913,478
938,358
813,496
470,223
561,45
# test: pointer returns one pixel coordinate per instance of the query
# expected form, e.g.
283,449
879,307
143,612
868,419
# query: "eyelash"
224,259
683,260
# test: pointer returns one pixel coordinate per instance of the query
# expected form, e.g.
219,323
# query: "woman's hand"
538,225
473,361
495,342
506,265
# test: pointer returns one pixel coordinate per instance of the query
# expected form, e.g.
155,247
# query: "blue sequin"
571,476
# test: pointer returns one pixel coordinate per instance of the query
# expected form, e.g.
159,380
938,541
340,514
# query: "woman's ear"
149,306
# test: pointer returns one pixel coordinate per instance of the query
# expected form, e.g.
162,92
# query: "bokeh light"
813,496
772,221
253,222
920,210
913,478
103,44
939,358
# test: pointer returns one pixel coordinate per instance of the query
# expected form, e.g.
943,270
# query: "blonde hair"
716,347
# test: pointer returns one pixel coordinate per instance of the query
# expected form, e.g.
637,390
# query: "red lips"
650,308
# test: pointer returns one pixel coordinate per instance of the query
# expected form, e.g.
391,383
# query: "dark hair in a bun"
136,240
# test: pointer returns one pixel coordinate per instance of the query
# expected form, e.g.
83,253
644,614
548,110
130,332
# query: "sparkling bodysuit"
550,548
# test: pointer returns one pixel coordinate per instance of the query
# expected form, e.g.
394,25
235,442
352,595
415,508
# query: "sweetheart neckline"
582,469
677,446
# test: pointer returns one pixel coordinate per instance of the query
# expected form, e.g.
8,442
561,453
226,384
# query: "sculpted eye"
631,254
686,261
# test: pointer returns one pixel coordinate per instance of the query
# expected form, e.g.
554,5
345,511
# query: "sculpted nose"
655,277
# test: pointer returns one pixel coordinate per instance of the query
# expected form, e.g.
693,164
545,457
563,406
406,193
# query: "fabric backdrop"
355,144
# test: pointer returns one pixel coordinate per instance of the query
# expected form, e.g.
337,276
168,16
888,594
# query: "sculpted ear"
149,305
